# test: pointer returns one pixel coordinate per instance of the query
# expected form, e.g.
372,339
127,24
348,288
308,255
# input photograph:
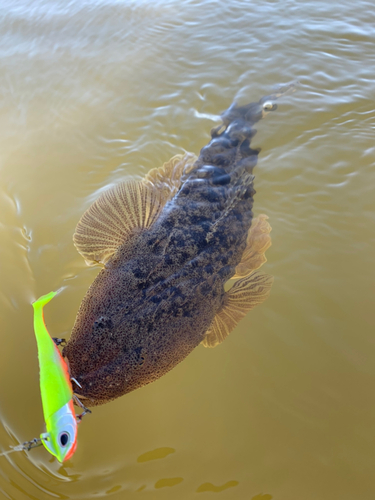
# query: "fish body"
169,244
56,390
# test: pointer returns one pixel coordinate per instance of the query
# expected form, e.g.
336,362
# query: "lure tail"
42,301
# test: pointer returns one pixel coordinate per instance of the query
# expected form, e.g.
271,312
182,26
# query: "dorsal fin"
238,301
127,208
258,241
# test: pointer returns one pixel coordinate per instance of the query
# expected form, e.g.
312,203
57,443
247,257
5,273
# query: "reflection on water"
170,481
155,454
114,489
216,489
95,91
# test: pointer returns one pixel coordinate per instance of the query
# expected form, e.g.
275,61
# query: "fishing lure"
56,390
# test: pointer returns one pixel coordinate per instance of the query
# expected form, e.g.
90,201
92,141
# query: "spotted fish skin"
158,294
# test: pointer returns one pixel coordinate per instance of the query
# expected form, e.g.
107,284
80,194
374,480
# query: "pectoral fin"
238,301
258,241
126,209
114,217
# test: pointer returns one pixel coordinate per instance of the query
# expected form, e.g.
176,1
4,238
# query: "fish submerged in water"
169,243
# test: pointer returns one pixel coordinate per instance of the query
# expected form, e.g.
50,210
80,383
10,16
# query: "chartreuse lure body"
56,390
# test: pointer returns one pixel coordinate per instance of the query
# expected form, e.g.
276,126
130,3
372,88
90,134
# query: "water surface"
95,91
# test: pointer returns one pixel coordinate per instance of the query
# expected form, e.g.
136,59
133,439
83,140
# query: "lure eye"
64,439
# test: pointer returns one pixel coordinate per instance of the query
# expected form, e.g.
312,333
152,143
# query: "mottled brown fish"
169,243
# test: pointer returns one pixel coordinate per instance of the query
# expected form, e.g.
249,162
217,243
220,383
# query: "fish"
60,438
168,245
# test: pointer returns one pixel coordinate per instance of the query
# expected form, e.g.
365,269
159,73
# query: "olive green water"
95,91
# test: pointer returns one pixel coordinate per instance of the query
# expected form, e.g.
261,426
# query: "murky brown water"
94,91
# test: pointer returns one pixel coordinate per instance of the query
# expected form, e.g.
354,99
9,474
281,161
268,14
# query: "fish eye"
269,106
64,438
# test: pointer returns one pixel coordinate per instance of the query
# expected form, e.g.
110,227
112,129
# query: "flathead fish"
169,243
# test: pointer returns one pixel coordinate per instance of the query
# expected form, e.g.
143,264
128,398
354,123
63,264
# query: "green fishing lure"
56,390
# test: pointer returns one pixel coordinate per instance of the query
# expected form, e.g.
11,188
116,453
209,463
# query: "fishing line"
26,446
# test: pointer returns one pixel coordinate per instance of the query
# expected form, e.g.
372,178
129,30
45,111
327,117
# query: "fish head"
61,436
